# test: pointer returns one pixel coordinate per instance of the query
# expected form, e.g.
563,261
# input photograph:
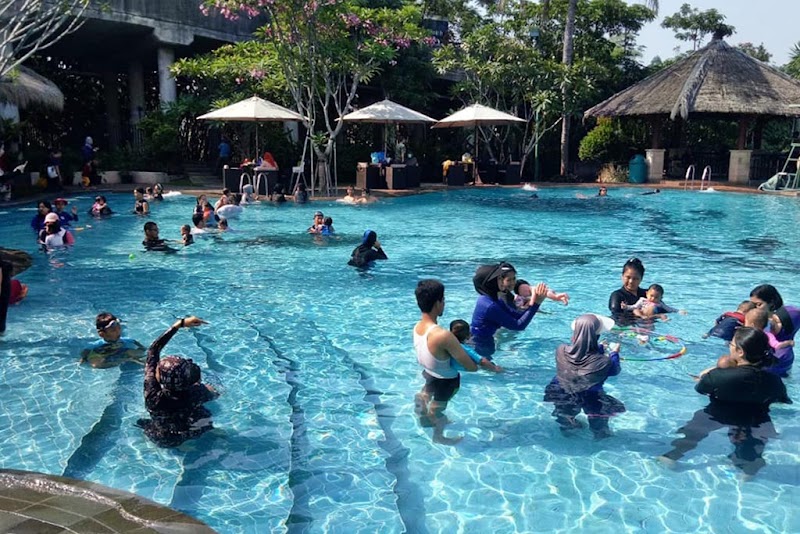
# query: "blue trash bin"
637,170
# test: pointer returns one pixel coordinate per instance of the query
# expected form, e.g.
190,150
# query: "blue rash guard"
491,315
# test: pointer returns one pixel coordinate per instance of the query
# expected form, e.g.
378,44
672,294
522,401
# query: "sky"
776,23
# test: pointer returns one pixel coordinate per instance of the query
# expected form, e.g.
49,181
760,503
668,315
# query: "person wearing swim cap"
739,399
318,224
492,312
368,251
582,368
174,394
766,296
111,349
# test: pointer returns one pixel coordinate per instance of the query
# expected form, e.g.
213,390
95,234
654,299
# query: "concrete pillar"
167,90
9,112
136,91
655,164
739,167
111,97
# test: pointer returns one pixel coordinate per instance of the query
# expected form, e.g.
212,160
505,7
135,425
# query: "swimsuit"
489,316
441,379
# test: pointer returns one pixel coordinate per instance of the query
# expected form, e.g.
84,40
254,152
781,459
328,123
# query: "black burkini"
5,293
740,399
175,415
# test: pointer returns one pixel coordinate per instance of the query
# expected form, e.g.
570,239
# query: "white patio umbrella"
387,112
474,116
253,109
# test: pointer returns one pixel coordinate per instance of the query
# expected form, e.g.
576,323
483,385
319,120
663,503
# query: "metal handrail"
689,175
706,176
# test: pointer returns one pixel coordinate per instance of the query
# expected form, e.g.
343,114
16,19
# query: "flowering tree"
29,26
321,51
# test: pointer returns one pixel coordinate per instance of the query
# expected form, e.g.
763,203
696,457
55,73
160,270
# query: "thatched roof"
24,87
718,79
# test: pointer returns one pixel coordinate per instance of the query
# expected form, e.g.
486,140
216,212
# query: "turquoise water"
315,430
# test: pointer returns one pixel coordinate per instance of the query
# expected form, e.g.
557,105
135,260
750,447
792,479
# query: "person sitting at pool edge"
111,349
368,251
173,393
436,348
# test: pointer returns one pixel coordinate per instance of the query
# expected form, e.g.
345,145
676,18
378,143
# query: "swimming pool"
315,429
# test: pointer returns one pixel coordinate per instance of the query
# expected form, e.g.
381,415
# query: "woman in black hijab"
581,369
368,251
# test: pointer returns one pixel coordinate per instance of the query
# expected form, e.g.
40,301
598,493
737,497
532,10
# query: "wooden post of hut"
717,81
739,164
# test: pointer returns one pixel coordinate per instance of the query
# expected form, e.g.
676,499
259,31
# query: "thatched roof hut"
717,79
24,87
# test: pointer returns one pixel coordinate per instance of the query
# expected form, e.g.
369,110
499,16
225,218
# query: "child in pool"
524,291
111,349
186,235
460,329
327,226
727,323
759,318
651,305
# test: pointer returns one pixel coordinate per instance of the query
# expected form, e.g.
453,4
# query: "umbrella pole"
476,178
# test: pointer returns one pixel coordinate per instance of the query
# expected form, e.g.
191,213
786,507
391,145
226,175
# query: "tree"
793,67
691,24
30,26
569,34
323,51
758,52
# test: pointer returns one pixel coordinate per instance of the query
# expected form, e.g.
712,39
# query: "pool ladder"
689,179
260,178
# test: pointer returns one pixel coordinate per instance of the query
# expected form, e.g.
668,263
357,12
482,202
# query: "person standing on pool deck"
766,296
492,312
173,393
435,346
629,293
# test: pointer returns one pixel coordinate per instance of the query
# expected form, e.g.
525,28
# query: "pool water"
315,429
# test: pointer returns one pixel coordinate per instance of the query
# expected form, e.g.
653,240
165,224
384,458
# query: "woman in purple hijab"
766,296
581,369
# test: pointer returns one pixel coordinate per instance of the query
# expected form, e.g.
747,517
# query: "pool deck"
427,187
44,504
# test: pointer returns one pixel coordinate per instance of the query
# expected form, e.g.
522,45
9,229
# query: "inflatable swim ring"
229,211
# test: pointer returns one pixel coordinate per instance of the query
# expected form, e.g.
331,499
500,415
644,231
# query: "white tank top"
435,367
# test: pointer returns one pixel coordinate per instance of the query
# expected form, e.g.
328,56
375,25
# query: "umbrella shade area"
385,112
253,109
477,115
24,87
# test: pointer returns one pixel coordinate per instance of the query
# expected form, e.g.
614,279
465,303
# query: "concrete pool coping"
36,502
427,187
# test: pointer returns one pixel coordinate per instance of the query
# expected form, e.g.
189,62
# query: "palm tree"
566,59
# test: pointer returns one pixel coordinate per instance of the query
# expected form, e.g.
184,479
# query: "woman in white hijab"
581,369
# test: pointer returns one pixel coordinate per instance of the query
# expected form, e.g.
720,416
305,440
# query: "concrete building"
131,39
